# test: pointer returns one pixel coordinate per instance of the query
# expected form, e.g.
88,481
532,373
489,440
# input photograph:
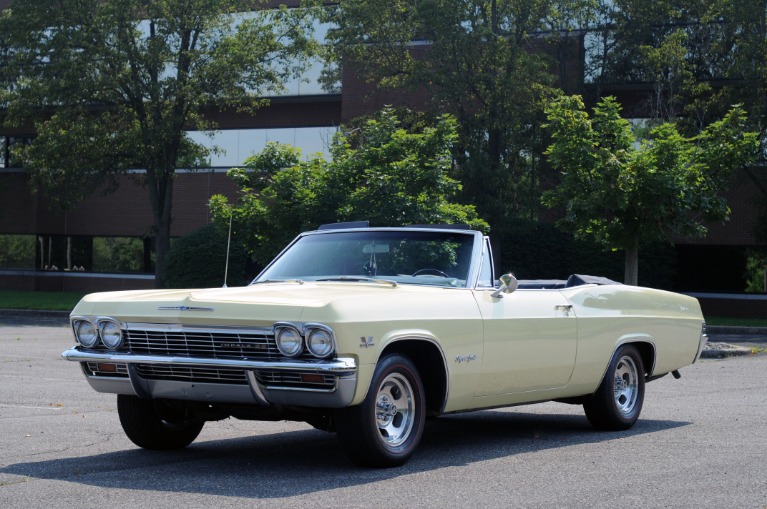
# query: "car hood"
259,304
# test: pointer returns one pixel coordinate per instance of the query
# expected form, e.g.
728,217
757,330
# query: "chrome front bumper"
344,370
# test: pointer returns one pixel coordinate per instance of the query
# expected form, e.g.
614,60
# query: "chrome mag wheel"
626,385
394,409
385,429
618,401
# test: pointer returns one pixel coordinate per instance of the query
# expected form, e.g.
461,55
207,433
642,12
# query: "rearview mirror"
508,285
375,248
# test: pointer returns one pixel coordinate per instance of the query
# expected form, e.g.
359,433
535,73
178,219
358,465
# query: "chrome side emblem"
366,342
183,308
465,358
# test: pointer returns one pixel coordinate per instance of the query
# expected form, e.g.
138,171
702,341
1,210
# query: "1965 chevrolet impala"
366,331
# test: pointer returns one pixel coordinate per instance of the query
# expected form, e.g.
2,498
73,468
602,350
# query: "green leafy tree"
380,171
681,48
619,193
114,85
700,56
488,62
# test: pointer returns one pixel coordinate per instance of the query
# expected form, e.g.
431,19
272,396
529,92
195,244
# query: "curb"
723,350
32,313
727,330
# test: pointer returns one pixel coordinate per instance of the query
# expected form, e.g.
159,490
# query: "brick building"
306,116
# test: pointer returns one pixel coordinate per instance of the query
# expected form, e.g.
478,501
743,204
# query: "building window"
130,255
17,251
236,145
7,143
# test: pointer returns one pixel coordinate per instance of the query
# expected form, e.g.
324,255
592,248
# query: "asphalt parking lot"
701,442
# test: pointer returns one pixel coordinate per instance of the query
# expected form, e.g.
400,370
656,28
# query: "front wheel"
155,424
385,429
618,401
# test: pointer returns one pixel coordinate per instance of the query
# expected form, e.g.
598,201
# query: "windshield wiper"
360,278
299,281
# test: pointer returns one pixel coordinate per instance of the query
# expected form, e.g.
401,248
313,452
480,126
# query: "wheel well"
647,352
431,368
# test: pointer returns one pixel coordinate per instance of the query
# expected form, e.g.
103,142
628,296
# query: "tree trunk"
161,197
631,274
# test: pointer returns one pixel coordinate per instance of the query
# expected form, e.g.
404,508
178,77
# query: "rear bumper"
128,380
701,345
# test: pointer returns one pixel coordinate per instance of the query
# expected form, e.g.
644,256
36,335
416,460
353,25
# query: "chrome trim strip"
183,308
137,383
176,327
340,365
255,389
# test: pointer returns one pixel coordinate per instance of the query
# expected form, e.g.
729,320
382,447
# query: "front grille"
215,344
197,374
210,343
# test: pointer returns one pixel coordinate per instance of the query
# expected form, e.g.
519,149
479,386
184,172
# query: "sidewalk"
734,341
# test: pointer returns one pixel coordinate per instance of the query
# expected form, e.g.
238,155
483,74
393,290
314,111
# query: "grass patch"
736,322
47,301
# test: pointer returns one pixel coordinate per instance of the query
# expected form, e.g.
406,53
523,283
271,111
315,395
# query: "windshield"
405,256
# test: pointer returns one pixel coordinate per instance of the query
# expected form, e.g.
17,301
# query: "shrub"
198,260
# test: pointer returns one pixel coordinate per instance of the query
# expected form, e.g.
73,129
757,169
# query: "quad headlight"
293,339
289,340
319,342
86,333
90,330
111,334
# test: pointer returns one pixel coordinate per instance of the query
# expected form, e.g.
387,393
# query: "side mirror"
508,285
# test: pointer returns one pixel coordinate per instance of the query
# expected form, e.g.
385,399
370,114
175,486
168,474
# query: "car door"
530,341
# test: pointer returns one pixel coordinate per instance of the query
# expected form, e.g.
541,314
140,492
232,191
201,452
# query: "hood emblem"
183,308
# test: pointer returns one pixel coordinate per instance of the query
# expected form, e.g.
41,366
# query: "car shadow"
301,462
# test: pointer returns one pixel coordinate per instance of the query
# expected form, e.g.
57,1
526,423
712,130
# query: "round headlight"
111,335
320,343
289,341
87,334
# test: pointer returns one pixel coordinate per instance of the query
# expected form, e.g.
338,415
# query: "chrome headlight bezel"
320,340
86,332
295,339
289,340
111,338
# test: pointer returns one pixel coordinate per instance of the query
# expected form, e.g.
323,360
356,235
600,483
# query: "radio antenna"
228,242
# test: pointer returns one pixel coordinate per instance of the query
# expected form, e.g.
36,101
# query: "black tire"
385,429
156,425
618,401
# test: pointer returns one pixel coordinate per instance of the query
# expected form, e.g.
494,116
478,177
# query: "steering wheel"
429,272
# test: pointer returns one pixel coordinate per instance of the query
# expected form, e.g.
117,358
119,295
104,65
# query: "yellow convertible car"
366,331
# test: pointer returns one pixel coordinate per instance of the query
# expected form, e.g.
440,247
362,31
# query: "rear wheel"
618,401
385,429
155,424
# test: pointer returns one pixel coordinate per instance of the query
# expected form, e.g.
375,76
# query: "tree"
619,194
484,61
114,85
380,171
700,57
680,48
